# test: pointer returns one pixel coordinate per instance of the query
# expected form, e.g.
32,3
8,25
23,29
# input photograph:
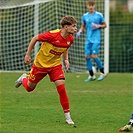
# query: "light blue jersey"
92,36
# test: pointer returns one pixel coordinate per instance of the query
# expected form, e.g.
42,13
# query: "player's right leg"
91,77
88,46
18,82
29,86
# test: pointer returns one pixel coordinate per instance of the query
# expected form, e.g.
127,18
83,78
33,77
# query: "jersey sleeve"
102,19
45,37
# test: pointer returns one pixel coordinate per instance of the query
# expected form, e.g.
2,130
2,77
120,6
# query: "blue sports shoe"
102,76
90,78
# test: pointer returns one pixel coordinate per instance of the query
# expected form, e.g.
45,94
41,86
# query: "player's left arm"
66,61
103,25
102,22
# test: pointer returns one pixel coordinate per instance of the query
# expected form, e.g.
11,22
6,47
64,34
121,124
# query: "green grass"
96,107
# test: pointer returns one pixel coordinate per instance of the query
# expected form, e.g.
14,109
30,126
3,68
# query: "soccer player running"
55,43
92,22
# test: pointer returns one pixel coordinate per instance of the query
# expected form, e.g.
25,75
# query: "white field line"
73,91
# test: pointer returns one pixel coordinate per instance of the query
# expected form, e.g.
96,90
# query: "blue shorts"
91,48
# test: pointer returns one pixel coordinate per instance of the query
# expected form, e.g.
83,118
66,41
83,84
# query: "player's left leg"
57,76
64,100
95,51
91,76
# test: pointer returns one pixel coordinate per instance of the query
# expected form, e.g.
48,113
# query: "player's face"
90,8
71,28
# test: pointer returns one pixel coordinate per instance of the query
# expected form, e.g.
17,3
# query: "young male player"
55,43
92,21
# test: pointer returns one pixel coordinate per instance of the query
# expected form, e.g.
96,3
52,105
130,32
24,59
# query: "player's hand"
27,59
95,26
67,64
77,34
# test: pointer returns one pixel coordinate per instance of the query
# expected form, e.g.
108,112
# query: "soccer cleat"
126,128
69,121
90,78
102,76
19,80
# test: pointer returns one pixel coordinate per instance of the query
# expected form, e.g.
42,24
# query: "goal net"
21,20
121,38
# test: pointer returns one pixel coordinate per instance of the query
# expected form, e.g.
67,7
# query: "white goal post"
21,20
106,37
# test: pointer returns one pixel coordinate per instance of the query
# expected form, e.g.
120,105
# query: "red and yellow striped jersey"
53,46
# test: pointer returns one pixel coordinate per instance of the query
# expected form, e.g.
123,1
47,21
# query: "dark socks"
91,73
102,70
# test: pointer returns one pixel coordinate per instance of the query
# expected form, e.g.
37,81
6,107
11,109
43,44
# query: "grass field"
96,107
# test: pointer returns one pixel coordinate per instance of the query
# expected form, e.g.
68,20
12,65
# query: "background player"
128,127
92,21
48,60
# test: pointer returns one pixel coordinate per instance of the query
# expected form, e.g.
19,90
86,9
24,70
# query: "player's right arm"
82,28
44,37
27,58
